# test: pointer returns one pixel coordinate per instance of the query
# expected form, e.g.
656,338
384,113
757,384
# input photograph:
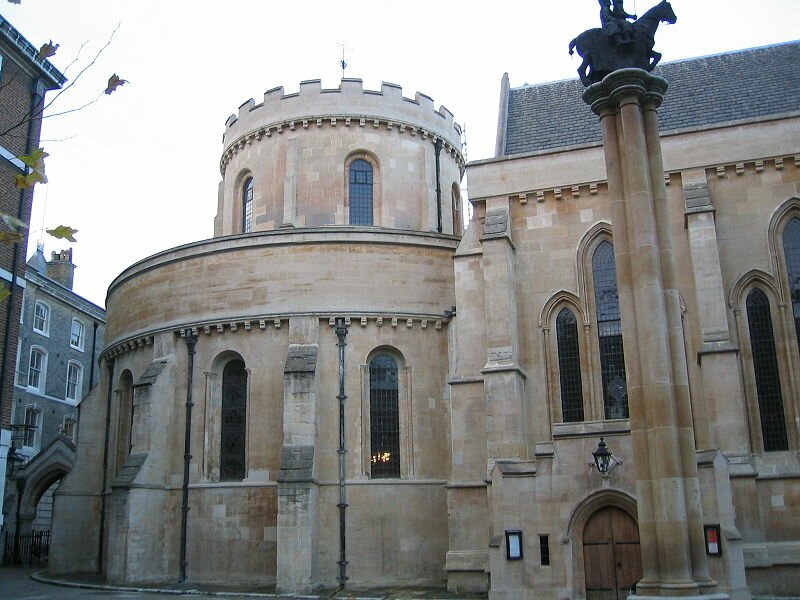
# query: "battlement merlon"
351,100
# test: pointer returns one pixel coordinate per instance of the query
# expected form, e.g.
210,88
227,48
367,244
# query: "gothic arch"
599,232
584,509
404,408
239,182
557,301
780,218
787,378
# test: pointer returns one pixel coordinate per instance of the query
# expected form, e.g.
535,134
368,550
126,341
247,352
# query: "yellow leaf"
4,291
47,50
35,160
63,232
13,222
114,82
24,182
11,236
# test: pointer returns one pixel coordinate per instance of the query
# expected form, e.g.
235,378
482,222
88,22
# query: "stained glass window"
765,365
791,251
384,417
609,328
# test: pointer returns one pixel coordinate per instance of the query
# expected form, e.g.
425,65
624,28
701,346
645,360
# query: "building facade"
24,81
60,343
341,352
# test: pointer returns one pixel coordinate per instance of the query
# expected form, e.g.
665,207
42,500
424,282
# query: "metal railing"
26,550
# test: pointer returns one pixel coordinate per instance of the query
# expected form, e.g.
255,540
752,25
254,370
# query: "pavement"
32,584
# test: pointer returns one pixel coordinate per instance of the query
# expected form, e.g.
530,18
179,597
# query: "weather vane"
343,62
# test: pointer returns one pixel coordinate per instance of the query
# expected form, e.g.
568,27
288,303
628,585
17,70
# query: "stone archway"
583,512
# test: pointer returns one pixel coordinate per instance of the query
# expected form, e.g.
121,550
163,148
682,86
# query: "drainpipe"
191,341
437,146
91,363
36,97
110,366
341,333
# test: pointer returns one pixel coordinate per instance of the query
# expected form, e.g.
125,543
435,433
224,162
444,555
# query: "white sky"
137,172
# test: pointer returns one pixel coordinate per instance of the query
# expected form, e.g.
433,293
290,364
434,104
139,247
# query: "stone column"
667,485
504,383
298,491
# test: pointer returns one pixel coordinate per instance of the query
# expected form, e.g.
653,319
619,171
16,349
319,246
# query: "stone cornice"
335,120
721,170
265,323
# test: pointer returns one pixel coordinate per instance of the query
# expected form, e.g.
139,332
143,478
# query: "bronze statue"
620,44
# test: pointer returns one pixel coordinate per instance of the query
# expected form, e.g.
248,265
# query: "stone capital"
625,85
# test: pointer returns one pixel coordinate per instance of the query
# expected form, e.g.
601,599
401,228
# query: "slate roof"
741,85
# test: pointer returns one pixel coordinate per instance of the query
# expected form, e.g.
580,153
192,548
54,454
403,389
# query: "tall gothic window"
247,206
609,328
791,252
234,421
384,417
569,366
765,365
125,424
360,192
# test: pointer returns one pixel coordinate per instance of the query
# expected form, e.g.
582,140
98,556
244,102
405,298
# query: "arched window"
37,369
76,335
384,417
360,192
234,421
609,331
569,366
765,366
456,197
791,252
247,205
74,381
41,318
125,418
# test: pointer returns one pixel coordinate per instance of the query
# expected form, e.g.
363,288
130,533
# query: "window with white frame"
68,428
32,422
41,318
74,380
37,368
76,335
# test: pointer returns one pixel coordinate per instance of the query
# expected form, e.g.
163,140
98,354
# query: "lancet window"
384,417
361,192
569,366
791,252
765,367
234,421
247,205
609,329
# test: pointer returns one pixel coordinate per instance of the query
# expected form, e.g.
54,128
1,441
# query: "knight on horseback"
615,23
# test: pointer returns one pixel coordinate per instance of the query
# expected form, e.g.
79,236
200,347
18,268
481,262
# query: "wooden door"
611,558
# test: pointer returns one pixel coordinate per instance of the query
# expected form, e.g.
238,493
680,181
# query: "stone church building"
366,390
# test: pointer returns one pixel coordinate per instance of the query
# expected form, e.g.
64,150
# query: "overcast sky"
137,172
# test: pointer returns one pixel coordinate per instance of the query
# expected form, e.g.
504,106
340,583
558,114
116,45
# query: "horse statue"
601,54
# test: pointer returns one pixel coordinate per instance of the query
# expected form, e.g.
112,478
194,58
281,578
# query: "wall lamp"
604,460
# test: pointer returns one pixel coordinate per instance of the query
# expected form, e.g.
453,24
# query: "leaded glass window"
791,252
360,192
247,206
234,421
384,417
569,366
609,328
765,366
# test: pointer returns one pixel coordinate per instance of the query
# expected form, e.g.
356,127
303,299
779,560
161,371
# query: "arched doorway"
611,558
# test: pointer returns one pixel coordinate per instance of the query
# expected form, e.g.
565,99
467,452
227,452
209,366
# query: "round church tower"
334,205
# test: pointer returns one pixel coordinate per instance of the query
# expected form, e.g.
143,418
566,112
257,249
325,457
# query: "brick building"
24,81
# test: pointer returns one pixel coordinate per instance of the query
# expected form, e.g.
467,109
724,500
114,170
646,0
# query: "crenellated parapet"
349,105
